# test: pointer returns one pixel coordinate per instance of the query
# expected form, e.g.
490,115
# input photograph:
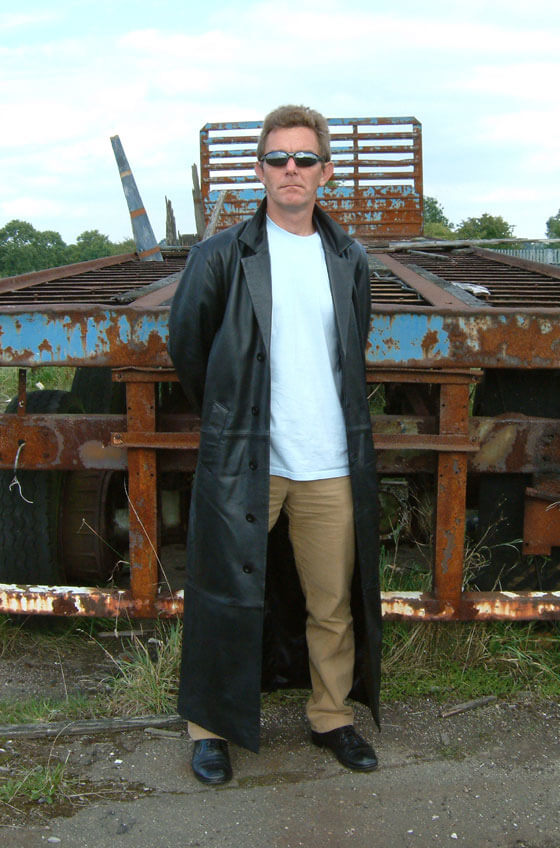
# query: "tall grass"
147,674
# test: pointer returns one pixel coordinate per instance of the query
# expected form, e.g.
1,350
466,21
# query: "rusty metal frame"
376,192
441,340
93,442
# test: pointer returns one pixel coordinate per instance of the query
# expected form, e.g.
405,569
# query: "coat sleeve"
195,317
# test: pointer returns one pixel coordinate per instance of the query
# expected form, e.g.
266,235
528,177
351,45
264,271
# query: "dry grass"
146,679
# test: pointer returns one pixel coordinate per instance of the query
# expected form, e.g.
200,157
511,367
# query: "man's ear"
259,171
328,171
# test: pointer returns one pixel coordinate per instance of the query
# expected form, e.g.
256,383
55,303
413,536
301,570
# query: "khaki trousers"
321,521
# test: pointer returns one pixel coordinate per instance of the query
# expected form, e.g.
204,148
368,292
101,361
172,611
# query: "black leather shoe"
210,761
348,747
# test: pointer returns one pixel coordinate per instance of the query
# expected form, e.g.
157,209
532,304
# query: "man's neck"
298,222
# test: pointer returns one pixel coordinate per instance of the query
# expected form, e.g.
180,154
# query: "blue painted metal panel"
416,338
398,339
120,337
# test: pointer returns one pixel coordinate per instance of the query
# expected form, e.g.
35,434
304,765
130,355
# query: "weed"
147,674
466,660
29,710
43,783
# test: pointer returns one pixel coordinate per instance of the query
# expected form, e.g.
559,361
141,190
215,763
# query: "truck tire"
97,391
29,531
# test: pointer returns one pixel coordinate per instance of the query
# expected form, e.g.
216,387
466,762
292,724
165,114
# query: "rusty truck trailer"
463,341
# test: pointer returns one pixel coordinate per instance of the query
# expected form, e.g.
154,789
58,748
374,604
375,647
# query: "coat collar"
256,267
333,236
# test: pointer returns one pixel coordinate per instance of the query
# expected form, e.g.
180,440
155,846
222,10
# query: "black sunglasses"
302,158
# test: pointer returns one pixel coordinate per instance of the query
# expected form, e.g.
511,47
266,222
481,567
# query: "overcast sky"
482,77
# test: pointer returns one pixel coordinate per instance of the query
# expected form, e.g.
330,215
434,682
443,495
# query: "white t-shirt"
307,430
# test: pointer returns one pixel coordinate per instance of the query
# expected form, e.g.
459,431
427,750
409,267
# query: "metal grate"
376,192
98,286
509,286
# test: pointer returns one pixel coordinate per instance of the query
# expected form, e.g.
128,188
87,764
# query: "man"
267,332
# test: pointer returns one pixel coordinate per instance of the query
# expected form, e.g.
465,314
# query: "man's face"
289,188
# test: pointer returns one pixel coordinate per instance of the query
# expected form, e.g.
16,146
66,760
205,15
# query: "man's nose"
291,163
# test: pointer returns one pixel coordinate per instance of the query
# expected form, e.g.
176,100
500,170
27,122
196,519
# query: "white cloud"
13,20
533,81
481,81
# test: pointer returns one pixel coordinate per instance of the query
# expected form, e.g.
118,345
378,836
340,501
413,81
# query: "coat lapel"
257,274
341,289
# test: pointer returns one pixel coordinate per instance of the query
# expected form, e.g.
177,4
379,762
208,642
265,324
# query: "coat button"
248,568
260,357
253,465
255,410
250,517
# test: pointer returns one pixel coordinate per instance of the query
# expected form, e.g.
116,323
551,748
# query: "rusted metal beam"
473,606
451,489
32,278
422,375
143,500
406,443
431,292
413,606
412,337
519,262
541,518
166,441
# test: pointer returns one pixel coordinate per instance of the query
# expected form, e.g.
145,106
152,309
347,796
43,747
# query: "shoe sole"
211,781
320,744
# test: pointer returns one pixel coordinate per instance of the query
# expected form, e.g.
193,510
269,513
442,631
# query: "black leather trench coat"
219,338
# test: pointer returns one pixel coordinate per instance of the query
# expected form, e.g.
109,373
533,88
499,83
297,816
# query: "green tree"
436,223
485,227
91,244
434,214
438,231
553,226
23,248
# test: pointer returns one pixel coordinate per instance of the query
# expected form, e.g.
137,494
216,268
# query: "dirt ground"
487,777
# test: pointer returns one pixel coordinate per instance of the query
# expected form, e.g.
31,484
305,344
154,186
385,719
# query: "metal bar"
401,336
144,238
451,497
142,483
430,376
431,292
23,281
414,606
215,216
144,375
61,442
157,298
197,201
166,441
509,445
519,262
22,392
442,443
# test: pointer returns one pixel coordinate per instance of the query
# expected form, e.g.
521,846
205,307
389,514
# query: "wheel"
91,536
92,540
29,531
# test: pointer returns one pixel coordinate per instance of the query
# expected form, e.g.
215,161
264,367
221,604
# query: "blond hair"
296,116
